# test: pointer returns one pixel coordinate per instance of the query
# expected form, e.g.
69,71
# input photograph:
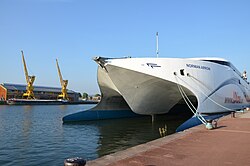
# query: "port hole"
182,72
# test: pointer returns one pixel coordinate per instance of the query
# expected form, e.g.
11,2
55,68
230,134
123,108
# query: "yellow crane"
64,83
30,80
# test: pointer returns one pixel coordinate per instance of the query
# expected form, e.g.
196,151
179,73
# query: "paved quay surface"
228,144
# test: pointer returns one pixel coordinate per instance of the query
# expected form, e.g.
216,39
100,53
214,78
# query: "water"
35,135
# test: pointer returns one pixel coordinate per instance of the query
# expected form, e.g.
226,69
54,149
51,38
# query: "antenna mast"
157,42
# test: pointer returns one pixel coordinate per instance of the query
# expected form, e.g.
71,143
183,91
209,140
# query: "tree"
85,95
80,95
97,95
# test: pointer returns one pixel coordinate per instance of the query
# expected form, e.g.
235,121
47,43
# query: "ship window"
226,64
182,72
220,62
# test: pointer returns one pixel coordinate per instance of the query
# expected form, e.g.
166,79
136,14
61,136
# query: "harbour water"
35,135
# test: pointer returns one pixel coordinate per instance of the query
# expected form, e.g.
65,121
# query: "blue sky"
74,31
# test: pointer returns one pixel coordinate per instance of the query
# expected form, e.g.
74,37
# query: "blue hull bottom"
194,121
99,115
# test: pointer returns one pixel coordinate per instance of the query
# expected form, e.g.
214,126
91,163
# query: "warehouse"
8,91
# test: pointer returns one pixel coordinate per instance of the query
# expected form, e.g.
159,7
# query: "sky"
75,31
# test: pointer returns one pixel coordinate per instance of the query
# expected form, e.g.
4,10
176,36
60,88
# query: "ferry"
154,85
151,86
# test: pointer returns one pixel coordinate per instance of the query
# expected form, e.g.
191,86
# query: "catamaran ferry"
151,86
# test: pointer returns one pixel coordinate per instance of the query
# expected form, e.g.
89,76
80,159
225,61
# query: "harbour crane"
29,94
64,83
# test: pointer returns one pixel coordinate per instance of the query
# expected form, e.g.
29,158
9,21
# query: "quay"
228,144
45,102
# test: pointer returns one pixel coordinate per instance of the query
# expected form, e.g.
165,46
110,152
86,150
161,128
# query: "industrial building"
8,91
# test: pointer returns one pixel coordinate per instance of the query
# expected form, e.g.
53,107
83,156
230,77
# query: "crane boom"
64,83
25,69
59,73
29,94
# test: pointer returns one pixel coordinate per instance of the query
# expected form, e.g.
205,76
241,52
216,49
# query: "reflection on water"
35,135
120,134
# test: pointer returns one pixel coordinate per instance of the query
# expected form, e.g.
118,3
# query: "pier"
228,144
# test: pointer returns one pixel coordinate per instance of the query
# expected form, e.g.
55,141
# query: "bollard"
209,125
77,161
232,114
215,123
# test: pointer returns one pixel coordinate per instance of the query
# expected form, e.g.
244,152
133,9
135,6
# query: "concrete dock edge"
193,144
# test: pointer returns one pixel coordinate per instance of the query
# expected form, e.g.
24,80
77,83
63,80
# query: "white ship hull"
150,86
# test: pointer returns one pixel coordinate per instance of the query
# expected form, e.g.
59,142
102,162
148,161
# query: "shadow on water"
120,134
